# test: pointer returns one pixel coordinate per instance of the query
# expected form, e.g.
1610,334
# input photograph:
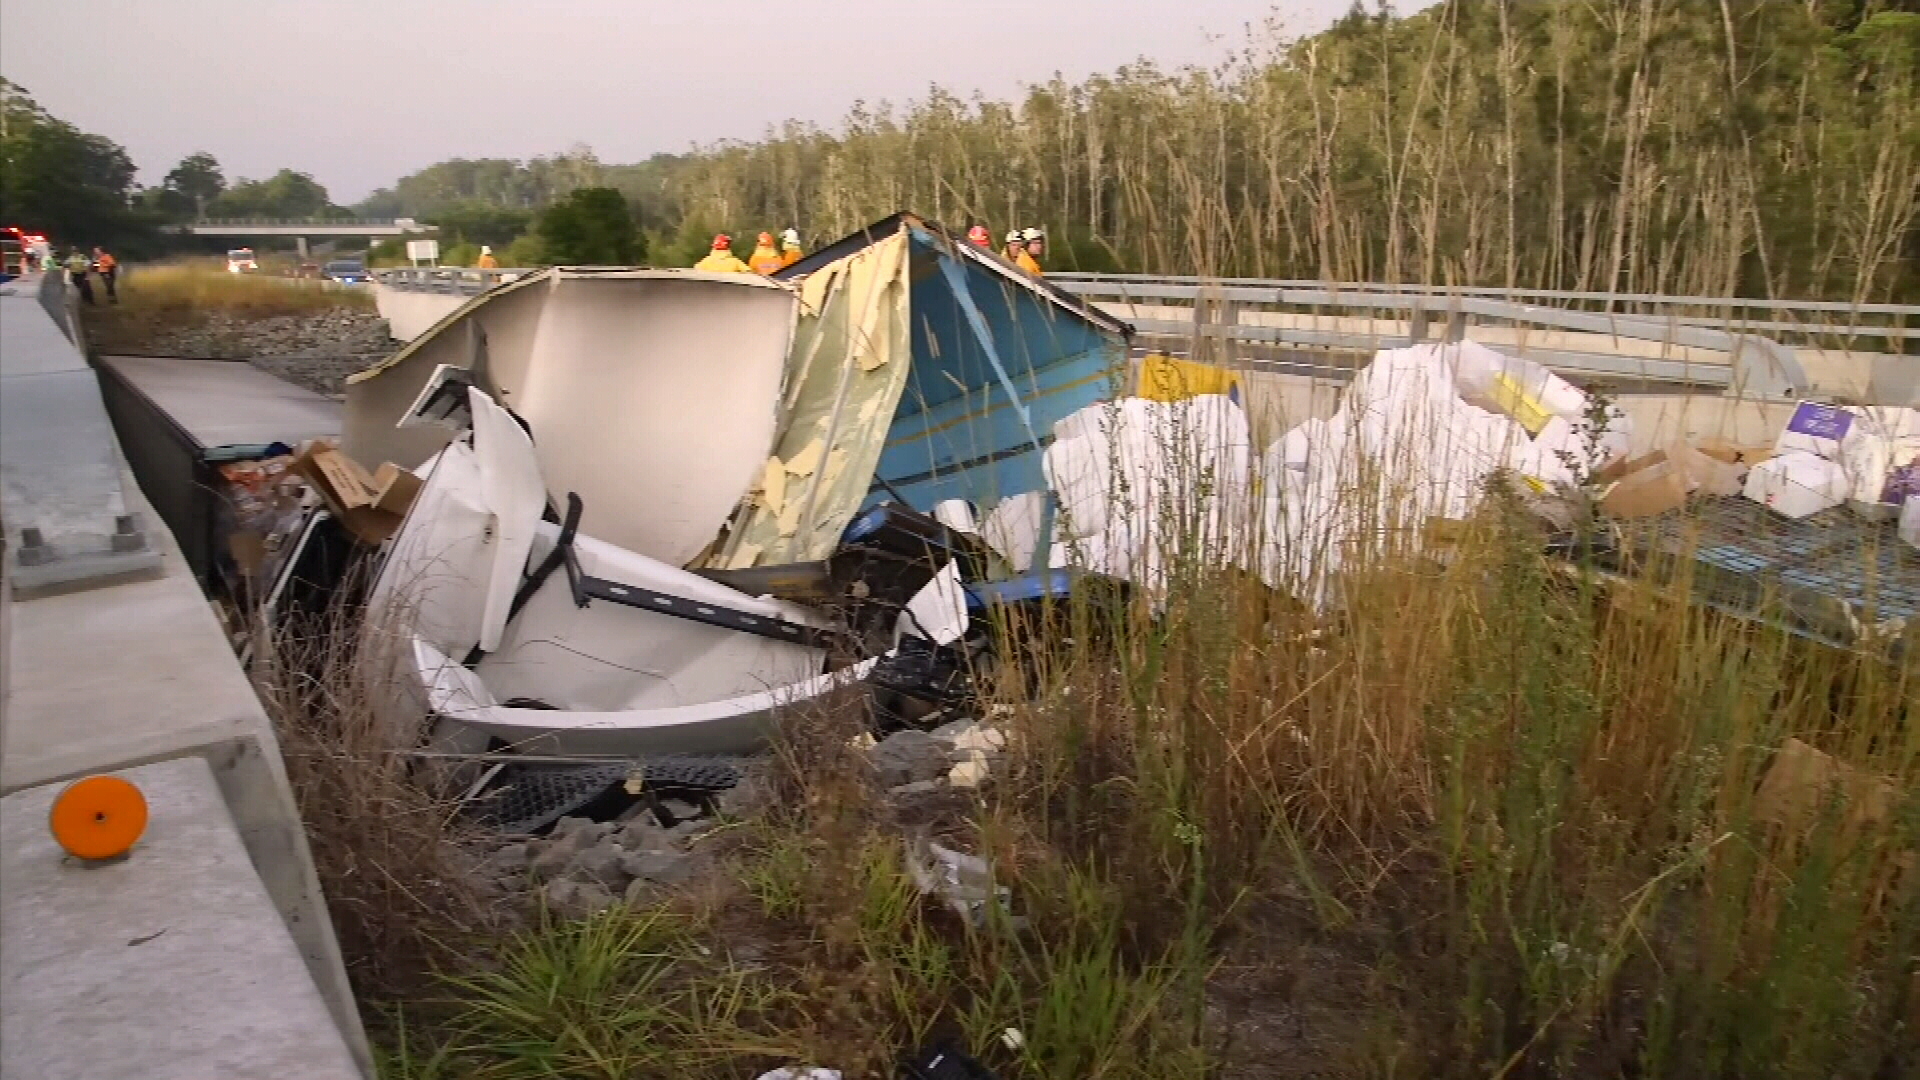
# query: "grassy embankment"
185,294
1490,819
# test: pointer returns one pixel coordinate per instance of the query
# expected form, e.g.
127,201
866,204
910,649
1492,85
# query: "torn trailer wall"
653,393
924,369
510,629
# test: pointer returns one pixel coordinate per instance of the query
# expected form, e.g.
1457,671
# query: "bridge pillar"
300,246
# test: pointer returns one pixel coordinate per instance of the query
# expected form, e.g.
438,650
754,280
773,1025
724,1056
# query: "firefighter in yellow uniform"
721,259
1036,246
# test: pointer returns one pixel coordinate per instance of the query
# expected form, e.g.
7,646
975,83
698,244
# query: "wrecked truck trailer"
542,637
741,502
653,393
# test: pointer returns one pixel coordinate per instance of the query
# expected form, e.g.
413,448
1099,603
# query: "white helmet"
791,238
1014,236
485,250
1033,234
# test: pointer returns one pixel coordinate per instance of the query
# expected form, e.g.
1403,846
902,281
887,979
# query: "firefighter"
790,251
980,237
764,260
486,261
77,267
1016,243
1032,243
721,259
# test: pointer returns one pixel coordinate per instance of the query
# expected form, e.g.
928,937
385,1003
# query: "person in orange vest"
764,260
486,261
108,268
721,260
980,237
790,251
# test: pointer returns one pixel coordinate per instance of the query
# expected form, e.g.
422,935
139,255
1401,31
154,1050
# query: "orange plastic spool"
98,817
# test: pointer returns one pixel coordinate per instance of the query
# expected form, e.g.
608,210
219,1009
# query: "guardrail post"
1456,325
1417,325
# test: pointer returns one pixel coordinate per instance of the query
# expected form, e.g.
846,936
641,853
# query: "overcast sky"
361,92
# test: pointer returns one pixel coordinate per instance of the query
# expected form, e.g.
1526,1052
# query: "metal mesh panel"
530,798
1832,576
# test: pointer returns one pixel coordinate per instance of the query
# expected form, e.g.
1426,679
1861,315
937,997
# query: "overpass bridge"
302,229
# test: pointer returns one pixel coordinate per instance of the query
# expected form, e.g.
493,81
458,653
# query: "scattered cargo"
630,513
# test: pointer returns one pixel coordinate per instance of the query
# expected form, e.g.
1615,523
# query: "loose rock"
910,755
643,833
576,899
659,867
510,860
316,351
918,787
602,863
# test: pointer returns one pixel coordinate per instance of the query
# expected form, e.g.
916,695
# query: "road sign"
423,251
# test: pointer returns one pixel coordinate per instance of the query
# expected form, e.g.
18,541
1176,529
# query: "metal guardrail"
1892,322
384,222
1759,363
1757,366
461,280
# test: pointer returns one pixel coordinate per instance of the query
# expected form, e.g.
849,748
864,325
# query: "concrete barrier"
109,675
169,963
412,312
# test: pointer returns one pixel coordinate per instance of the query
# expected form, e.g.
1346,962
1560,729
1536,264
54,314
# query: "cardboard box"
1625,467
1652,489
1661,481
1815,428
1800,780
351,494
1732,453
394,488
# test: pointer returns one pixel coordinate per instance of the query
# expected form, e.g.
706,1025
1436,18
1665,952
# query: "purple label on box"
1903,483
1820,421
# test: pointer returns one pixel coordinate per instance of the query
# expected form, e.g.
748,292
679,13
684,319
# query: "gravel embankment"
314,351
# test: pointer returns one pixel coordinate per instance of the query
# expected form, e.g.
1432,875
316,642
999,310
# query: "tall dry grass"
396,865
1536,793
1525,811
175,294
1766,149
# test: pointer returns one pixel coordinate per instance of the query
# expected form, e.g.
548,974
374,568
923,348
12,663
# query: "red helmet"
980,236
765,239
722,242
